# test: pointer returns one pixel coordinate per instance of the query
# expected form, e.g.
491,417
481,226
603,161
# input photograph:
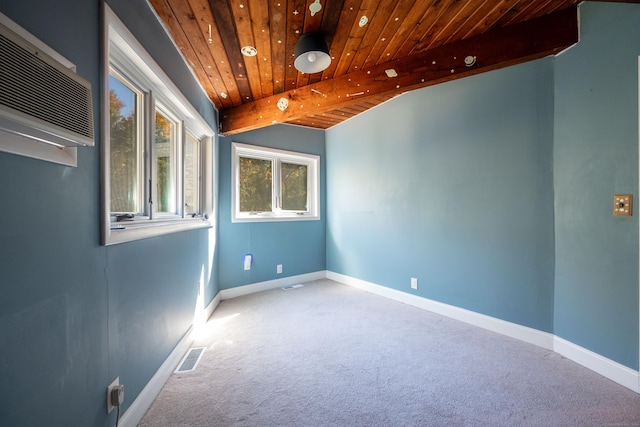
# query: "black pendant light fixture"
312,53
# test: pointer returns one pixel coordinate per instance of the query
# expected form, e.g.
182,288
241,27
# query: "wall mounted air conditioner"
40,98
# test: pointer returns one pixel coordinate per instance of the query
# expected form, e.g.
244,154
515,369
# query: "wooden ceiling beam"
495,49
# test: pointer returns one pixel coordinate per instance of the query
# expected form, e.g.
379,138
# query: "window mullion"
141,154
150,129
277,194
180,144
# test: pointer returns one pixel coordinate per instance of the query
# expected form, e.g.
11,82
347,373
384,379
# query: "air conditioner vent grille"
32,85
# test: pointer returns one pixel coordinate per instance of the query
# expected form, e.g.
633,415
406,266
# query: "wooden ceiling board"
221,73
247,65
341,38
259,19
295,23
437,34
436,11
406,35
182,41
313,21
330,19
201,52
484,22
356,34
468,20
231,54
399,19
278,32
371,34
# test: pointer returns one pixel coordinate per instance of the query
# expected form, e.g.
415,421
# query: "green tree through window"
294,187
255,185
165,134
123,147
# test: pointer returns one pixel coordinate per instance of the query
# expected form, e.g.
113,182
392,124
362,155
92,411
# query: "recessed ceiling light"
249,51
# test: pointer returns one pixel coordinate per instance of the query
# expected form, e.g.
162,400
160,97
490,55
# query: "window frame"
123,54
277,157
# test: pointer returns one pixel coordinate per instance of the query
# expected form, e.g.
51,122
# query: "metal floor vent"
288,288
191,360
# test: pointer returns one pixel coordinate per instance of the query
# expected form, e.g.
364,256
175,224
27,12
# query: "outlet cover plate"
414,283
622,204
109,387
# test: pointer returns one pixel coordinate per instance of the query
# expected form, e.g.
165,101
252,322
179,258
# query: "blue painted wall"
74,314
298,245
451,184
595,157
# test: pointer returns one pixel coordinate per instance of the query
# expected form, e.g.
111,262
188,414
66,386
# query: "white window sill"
274,218
128,231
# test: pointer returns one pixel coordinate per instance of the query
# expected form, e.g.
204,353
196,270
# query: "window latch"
125,217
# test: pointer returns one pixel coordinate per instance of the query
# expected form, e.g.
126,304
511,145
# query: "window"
157,157
274,185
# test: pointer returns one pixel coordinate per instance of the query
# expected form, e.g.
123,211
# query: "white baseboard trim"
271,284
513,330
208,311
139,407
614,371
606,367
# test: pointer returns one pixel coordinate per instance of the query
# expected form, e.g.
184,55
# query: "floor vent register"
190,361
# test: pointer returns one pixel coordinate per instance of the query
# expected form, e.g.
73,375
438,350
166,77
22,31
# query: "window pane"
124,141
164,164
294,187
191,175
255,185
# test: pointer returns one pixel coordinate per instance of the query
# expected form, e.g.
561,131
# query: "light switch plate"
623,204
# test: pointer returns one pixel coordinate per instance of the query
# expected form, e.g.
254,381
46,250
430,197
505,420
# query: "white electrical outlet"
279,269
414,283
110,387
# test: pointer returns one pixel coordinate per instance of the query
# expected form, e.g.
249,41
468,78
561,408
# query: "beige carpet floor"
327,354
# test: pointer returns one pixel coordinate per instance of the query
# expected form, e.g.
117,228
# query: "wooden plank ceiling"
404,45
